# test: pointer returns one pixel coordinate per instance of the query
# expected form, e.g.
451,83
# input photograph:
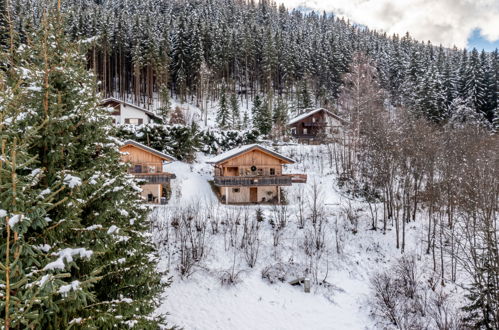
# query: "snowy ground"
200,301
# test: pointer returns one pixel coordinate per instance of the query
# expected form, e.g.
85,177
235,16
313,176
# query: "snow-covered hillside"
339,270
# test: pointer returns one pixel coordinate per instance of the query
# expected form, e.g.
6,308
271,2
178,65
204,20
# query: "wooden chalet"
252,174
147,164
127,113
316,125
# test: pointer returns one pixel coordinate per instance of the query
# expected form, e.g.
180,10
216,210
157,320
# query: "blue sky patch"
476,40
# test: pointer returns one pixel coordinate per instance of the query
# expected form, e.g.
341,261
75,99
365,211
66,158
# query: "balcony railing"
316,124
159,178
253,181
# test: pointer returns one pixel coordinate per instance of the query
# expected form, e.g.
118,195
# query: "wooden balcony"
316,124
252,181
298,178
158,178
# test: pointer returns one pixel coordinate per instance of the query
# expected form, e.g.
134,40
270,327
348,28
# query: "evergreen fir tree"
246,120
257,104
280,117
4,25
223,115
262,120
79,230
304,97
165,108
234,109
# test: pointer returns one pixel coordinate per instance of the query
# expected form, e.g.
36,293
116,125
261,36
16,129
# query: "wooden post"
306,285
226,195
278,195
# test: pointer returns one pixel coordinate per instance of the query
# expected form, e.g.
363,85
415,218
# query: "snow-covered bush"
282,272
182,141
215,140
251,240
230,276
407,297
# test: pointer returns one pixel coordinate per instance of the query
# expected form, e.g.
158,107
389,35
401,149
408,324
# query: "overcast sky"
463,23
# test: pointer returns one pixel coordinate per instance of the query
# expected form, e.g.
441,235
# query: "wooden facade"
252,174
147,165
316,125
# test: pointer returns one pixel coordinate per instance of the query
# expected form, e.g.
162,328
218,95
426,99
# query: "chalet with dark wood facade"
147,164
252,174
317,124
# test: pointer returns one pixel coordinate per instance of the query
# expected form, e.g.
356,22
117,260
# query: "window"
272,171
235,190
137,169
293,131
134,121
151,169
313,119
305,131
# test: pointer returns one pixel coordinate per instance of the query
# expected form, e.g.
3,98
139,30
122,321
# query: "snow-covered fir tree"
76,247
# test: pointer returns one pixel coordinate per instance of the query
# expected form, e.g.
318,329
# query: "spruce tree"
165,108
234,109
304,98
71,213
223,115
280,116
257,104
262,120
246,120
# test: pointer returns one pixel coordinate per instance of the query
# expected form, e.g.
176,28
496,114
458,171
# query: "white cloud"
449,22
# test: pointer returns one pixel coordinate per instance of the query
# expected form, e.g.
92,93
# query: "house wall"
128,112
332,128
253,157
139,156
154,189
243,196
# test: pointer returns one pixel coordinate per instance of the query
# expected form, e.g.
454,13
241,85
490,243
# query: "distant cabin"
147,164
316,125
252,174
127,113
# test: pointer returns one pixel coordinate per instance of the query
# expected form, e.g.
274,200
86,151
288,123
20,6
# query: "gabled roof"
313,111
241,150
149,149
149,113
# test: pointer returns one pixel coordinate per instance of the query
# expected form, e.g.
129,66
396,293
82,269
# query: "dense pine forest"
193,49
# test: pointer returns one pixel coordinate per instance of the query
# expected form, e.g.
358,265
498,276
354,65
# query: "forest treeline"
150,49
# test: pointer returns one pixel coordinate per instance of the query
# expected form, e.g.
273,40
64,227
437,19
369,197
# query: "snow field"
339,272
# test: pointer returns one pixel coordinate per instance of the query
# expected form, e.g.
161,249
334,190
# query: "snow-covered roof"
113,99
313,111
149,149
237,151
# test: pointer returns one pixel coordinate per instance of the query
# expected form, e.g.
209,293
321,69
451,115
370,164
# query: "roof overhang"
224,157
139,145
